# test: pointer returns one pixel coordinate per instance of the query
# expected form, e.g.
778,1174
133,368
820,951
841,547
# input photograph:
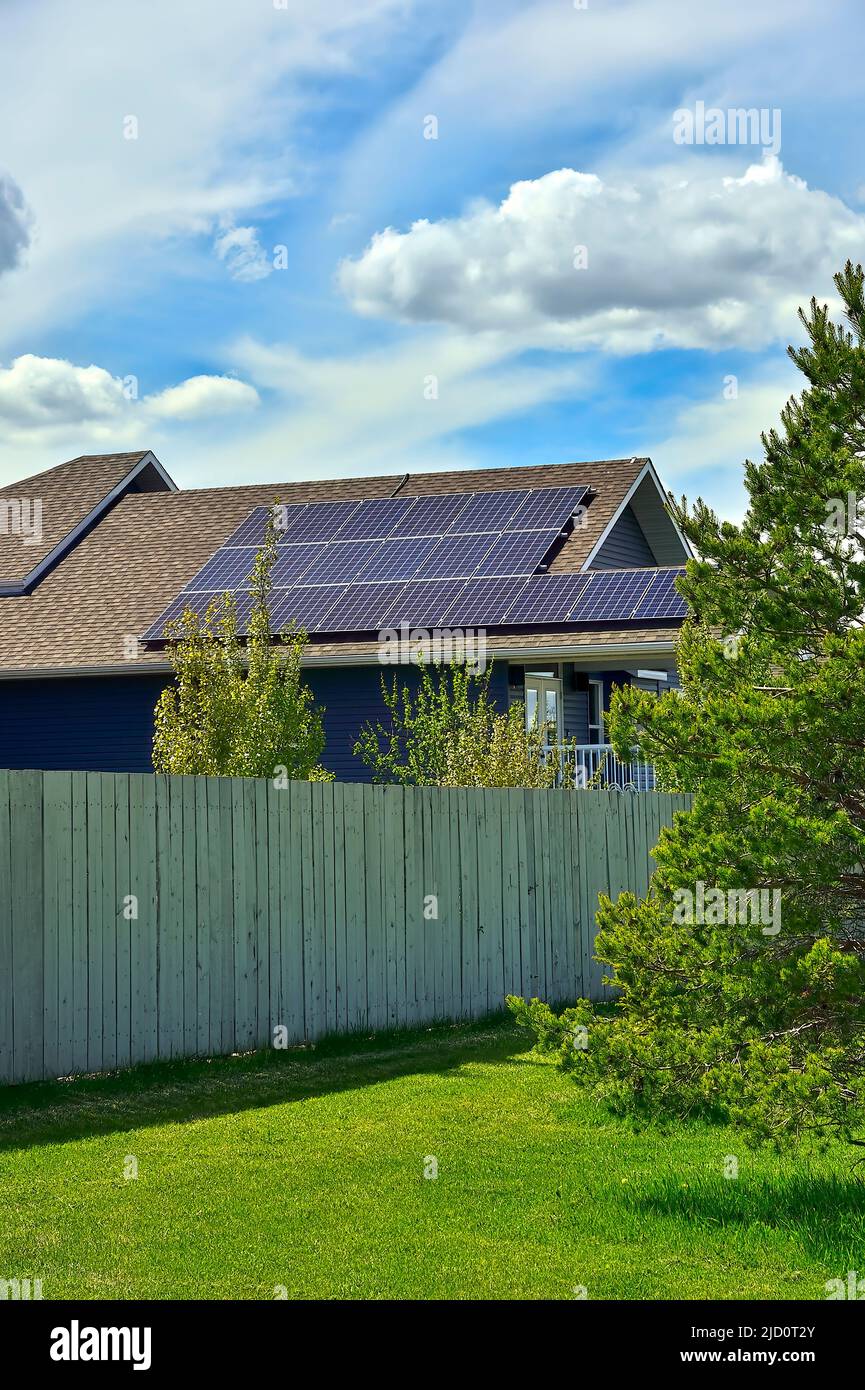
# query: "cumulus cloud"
47,391
200,397
39,394
662,259
244,256
14,224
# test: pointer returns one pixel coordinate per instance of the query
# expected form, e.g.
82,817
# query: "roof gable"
43,516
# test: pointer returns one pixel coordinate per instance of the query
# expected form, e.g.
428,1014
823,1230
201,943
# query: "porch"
595,766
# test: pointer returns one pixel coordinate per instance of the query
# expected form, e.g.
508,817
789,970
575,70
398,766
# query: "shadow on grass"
824,1212
51,1112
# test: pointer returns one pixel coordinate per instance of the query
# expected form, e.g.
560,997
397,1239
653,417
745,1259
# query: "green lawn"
306,1169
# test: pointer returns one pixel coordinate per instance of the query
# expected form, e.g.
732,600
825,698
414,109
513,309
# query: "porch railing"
596,765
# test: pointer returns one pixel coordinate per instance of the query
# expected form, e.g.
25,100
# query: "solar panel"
455,557
548,506
485,602
397,559
517,552
227,569
198,602
488,511
292,561
231,567
341,562
317,521
375,520
308,608
431,516
611,594
364,608
661,599
251,531
547,598
425,603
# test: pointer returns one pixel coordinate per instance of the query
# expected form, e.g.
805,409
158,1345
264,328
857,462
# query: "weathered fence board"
157,917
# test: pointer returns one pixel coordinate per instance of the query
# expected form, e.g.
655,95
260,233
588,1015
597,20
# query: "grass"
306,1169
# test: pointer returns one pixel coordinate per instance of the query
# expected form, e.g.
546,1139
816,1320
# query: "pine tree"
761,1022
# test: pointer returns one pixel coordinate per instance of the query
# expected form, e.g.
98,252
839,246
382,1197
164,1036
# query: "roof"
65,496
89,609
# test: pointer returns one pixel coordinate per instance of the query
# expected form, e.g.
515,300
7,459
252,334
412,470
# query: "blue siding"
351,696
575,707
102,724
625,547
105,724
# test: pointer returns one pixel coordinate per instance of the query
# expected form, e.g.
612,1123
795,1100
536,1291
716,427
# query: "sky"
274,241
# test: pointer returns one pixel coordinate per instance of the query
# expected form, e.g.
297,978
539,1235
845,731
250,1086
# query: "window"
596,711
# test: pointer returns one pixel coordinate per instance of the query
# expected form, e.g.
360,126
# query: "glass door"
544,706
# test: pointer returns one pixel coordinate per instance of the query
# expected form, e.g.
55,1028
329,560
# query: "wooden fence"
148,917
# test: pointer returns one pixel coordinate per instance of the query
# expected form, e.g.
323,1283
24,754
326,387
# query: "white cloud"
389,409
38,391
41,397
244,256
200,397
14,224
216,87
674,259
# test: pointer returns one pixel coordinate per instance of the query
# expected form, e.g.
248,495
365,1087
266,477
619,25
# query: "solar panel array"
459,560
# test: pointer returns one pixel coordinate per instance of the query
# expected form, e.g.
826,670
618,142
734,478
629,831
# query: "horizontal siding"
575,708
105,724
99,724
351,697
625,547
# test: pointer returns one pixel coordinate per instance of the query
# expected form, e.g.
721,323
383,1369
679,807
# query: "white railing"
596,766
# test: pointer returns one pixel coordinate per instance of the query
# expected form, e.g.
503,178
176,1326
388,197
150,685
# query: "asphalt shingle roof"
88,610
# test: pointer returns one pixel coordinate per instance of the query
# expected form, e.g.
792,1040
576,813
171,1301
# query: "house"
94,552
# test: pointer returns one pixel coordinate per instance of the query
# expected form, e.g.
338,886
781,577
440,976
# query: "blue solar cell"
455,557
425,603
548,598
317,521
306,607
431,516
547,507
198,602
250,531
227,569
292,561
517,552
485,603
364,608
231,567
660,599
488,511
341,562
611,594
376,519
397,559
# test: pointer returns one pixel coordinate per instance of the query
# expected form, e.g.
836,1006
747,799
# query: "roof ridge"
131,458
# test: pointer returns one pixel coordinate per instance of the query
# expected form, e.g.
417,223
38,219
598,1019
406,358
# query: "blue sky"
225,233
